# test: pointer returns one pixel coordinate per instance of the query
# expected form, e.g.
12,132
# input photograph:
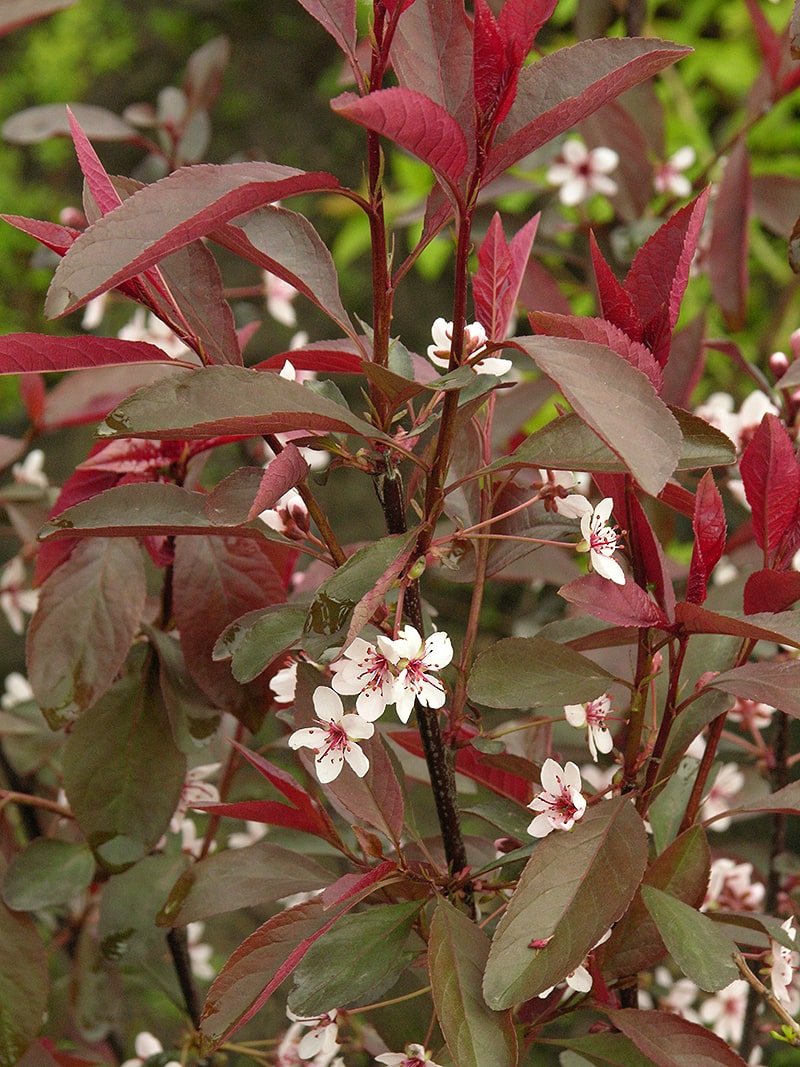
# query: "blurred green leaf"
46,873
701,949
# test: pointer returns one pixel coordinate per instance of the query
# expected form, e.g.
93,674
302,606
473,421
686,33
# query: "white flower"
31,470
474,342
579,172
560,802
680,995
146,1046
289,516
592,715
14,599
199,953
336,742
751,713
414,1056
145,326
365,670
669,177
784,962
193,843
414,659
724,1012
731,887
558,493
319,1044
718,410
283,684
94,311
722,795
196,790
601,541
253,832
280,297
18,691
579,979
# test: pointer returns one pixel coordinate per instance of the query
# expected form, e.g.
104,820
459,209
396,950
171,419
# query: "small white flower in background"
191,841
599,778
414,659
365,670
592,715
196,790
291,373
722,795
320,1044
560,802
289,516
18,691
199,953
31,470
94,311
724,1012
740,427
335,740
731,887
784,962
474,343
751,713
280,296
558,494
669,177
680,995
283,684
600,540
580,979
145,326
252,833
579,172
414,1056
146,1046
14,597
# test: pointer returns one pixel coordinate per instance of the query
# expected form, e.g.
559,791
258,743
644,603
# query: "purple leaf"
414,122
617,128
204,71
338,17
36,124
335,357
771,479
53,236
24,978
160,218
248,491
615,303
558,91
777,684
767,626
100,186
496,283
23,353
727,265
671,1041
710,532
21,12
621,605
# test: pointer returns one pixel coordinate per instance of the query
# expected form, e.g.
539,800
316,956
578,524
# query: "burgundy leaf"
351,884
248,491
204,71
777,684
768,590
105,195
710,532
33,393
86,396
656,567
23,353
615,303
496,283
50,234
668,1040
21,12
271,813
335,357
558,91
771,483
727,266
489,65
160,218
686,363
414,122
769,626
769,41
338,17
659,273
621,605
616,127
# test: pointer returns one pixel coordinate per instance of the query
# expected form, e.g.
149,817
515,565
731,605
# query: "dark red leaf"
620,129
771,483
333,357
768,590
489,64
50,234
248,491
769,626
100,186
621,605
615,303
710,532
727,266
671,1041
23,353
769,41
686,363
338,17
350,884
496,283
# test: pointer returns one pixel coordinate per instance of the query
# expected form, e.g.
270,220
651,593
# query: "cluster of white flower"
394,671
474,343
739,426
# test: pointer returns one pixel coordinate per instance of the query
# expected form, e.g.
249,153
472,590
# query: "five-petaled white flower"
579,172
283,684
366,670
14,599
601,540
335,740
414,1056
474,343
592,715
31,470
414,659
784,962
560,802
320,1044
669,177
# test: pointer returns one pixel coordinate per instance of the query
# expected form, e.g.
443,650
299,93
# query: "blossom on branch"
578,172
414,1056
14,598
669,177
600,540
784,962
335,741
560,803
146,1046
413,660
593,716
368,671
474,343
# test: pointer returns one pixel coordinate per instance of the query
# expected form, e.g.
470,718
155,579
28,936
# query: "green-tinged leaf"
682,871
122,772
777,684
358,960
691,723
511,818
667,810
46,873
89,612
333,605
457,954
253,642
607,1050
531,672
229,400
95,988
241,878
617,401
703,444
193,717
671,1041
131,902
575,885
779,626
700,948
786,799
747,928
23,984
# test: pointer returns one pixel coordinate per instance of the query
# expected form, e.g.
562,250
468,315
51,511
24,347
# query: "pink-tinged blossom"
15,600
31,470
199,952
474,343
196,790
578,172
145,326
335,741
724,1012
669,177
558,494
320,1044
289,516
592,716
731,887
752,714
283,684
145,1046
560,803
366,670
784,962
739,426
722,795
280,296
414,660
579,979
601,541
414,1056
